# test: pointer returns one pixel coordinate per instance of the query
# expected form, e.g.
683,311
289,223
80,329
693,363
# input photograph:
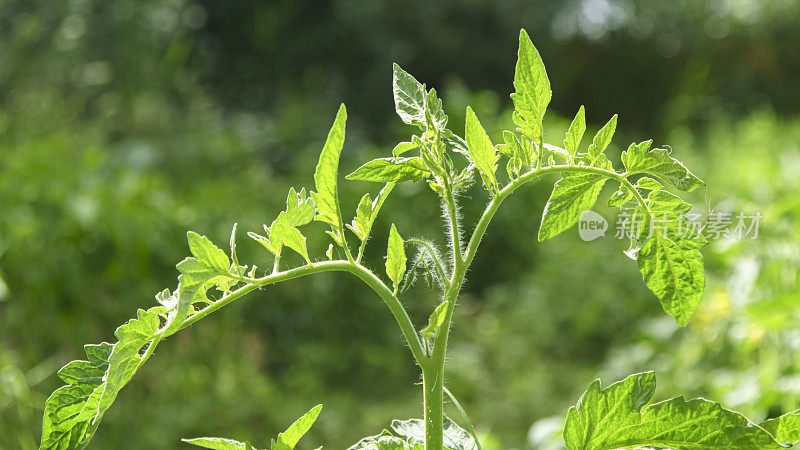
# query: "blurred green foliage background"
124,123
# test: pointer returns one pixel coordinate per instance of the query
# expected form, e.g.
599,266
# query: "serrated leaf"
216,443
453,436
207,253
299,428
785,429
387,170
265,242
658,163
360,222
574,193
557,155
435,320
620,197
409,97
73,412
532,89
395,258
575,132
648,184
601,140
671,264
674,272
367,212
384,441
299,210
522,154
326,196
290,237
454,142
193,272
616,418
481,151
435,111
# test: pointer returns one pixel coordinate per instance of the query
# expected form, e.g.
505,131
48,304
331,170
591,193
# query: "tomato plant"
617,416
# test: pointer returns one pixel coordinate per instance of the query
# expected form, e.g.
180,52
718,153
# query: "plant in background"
617,416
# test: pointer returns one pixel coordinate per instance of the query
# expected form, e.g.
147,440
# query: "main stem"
433,370
432,386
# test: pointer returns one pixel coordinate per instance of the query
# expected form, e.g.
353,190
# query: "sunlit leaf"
601,141
409,97
326,196
395,170
299,209
575,132
435,320
669,259
638,158
785,429
207,253
532,89
395,258
73,412
574,193
290,237
299,428
616,418
481,151
216,443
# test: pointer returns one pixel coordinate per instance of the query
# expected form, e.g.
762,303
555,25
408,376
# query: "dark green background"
125,123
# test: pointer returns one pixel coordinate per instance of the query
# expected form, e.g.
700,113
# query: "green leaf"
574,193
384,441
659,163
367,212
395,258
671,264
194,273
326,197
403,147
290,237
409,97
386,170
73,412
785,428
435,111
616,418
620,197
360,222
216,443
238,269
648,184
207,253
521,153
299,428
299,209
481,151
435,320
274,248
454,437
601,140
532,89
575,132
